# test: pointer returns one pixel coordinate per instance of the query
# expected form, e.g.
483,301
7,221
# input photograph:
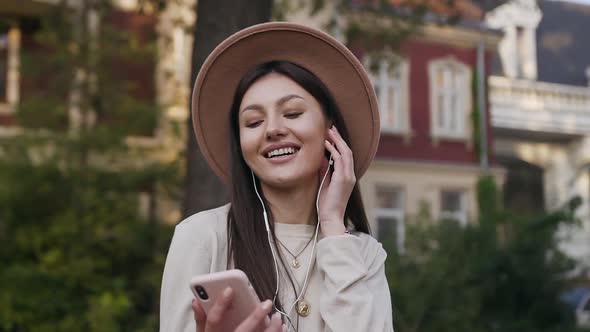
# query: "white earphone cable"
272,246
317,206
274,257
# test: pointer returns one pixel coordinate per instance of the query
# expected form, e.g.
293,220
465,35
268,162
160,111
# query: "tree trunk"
216,20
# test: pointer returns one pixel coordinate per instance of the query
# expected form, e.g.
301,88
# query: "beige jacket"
347,289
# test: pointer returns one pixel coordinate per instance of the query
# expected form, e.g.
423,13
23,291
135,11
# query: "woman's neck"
293,206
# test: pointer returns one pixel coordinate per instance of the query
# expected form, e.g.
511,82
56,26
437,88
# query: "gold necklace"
302,307
295,261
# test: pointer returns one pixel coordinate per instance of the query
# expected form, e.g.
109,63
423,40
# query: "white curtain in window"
450,98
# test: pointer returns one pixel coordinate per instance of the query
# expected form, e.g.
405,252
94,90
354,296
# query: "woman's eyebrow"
254,107
279,103
286,98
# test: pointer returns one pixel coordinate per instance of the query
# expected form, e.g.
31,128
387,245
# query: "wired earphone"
273,247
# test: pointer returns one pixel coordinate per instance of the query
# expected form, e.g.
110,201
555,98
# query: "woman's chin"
285,181
281,183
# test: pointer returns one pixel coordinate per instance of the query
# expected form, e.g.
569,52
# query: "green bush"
75,253
500,274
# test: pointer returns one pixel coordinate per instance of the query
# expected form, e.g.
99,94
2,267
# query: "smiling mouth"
281,152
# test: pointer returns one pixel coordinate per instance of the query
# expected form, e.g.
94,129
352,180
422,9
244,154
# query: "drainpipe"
481,93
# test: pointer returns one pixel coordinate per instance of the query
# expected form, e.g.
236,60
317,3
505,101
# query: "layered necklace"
302,307
295,257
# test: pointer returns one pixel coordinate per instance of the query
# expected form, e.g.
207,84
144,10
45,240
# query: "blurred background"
479,191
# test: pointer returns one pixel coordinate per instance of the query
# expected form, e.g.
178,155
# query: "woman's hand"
338,185
256,322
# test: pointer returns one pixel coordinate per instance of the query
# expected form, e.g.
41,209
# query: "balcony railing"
539,106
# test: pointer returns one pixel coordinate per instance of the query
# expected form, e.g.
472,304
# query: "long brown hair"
247,237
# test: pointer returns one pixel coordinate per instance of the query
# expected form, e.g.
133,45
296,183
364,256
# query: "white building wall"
422,183
541,112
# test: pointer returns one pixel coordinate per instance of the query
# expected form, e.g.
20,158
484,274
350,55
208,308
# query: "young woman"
303,127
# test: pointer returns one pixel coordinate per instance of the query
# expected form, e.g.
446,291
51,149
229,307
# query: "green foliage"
55,116
500,274
77,254
430,288
101,73
375,24
489,202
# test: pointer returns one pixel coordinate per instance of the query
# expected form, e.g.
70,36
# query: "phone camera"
201,292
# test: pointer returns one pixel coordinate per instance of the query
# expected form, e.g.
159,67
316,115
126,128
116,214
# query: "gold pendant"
303,308
295,263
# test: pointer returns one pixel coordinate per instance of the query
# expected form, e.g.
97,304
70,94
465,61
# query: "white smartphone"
208,288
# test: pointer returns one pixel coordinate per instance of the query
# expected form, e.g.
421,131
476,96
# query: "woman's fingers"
340,142
336,159
343,168
256,320
344,150
342,181
275,323
215,315
322,172
200,315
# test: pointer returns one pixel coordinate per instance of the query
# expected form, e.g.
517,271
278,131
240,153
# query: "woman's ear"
329,124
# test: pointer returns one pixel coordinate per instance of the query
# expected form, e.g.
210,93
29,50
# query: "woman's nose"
275,129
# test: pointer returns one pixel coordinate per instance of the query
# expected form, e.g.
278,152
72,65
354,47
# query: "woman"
303,126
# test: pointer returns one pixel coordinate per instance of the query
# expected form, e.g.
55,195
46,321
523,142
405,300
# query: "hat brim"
311,49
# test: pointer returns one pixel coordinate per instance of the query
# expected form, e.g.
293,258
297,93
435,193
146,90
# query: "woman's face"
282,132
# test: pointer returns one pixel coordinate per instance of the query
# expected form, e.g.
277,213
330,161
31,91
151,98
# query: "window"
450,98
453,206
390,80
9,67
389,216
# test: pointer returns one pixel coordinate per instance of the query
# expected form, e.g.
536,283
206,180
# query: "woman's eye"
293,115
253,124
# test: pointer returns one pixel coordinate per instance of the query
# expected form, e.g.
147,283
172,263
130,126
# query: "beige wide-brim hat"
309,48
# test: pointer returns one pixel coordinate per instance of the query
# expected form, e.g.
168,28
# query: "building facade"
428,162
540,101
428,159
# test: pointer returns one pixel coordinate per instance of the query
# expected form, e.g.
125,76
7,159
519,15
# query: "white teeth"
281,151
